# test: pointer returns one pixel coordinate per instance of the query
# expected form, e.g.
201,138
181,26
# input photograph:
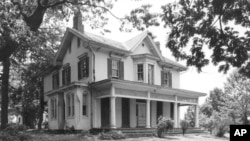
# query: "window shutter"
87,64
63,77
58,79
69,75
162,78
121,70
170,79
109,68
79,69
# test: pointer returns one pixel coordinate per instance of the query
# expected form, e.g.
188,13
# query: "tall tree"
238,89
21,21
221,26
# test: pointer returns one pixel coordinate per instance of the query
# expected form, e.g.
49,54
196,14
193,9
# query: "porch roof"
138,86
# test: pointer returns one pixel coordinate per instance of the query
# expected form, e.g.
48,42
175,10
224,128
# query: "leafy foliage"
14,133
190,115
116,135
163,126
238,90
200,25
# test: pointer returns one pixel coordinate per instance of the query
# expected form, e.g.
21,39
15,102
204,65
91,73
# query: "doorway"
105,112
125,113
141,113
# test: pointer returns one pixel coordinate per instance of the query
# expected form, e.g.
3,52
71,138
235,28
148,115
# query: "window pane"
115,68
140,72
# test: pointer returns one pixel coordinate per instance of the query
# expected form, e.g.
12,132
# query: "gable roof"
125,47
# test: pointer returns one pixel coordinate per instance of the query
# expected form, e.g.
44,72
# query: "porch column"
148,115
112,113
175,115
196,116
112,108
178,115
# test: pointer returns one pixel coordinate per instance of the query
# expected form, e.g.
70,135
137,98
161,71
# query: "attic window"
142,45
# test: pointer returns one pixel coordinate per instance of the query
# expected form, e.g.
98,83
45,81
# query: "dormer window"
140,72
115,69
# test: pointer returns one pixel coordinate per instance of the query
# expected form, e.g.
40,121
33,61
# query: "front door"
125,112
141,114
105,112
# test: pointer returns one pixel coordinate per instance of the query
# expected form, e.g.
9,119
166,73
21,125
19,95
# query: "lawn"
75,137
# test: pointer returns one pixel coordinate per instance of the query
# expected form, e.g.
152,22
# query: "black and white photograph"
129,70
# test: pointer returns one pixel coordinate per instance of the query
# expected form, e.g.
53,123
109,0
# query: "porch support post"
148,114
175,115
112,108
178,115
197,116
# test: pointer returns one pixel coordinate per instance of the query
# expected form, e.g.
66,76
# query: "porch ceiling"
137,86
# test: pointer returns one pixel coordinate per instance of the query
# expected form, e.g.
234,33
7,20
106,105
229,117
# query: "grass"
78,137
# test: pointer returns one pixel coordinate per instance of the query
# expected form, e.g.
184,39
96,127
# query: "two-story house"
100,83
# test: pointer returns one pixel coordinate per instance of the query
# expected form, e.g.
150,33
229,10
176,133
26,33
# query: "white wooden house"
96,82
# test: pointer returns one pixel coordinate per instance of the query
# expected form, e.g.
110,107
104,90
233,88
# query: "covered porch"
126,104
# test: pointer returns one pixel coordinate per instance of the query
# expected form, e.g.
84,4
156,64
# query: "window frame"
85,104
70,107
84,67
141,73
152,78
66,75
117,69
167,78
53,102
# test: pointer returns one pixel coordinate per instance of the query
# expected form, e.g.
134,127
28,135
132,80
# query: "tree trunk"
5,91
41,109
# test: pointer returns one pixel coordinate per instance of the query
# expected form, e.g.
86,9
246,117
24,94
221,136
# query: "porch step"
144,132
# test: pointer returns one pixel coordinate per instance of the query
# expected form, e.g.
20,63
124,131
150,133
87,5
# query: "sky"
204,82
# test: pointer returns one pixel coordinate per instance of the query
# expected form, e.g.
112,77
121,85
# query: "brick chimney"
77,21
158,45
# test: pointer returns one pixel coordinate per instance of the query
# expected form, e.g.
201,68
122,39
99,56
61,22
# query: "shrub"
221,128
116,135
106,136
14,133
184,126
164,125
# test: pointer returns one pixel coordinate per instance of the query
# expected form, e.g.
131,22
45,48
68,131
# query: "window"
53,108
70,105
150,74
55,79
78,42
83,67
66,75
115,69
140,72
84,104
166,78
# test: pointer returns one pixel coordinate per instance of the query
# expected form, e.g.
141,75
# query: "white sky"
189,80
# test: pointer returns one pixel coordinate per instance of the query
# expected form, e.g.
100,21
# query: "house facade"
96,82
